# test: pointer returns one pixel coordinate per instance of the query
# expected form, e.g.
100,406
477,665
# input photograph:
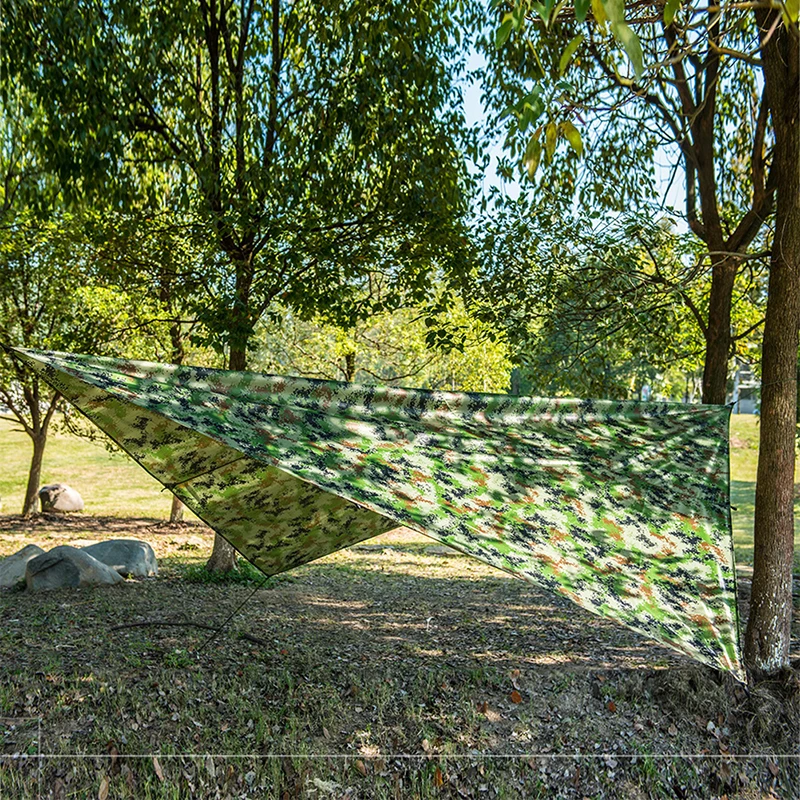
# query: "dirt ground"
395,669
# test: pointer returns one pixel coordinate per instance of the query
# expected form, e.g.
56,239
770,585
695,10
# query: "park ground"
396,669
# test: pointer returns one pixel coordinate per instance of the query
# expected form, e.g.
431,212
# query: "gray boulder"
68,566
60,498
129,557
12,569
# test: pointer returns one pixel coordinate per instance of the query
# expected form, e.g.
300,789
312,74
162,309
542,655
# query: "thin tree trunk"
768,629
176,511
350,367
718,332
31,502
223,556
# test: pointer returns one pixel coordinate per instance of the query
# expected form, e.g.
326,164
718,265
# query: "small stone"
67,566
129,557
12,569
60,498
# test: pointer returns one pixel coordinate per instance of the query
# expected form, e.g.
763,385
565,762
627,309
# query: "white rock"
127,556
60,497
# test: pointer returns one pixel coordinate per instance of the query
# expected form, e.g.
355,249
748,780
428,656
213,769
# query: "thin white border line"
409,756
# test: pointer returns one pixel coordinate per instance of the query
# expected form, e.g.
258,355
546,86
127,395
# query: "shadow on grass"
374,675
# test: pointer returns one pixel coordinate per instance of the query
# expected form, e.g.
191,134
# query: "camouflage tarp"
623,507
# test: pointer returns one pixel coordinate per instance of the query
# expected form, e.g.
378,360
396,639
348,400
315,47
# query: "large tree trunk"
29,506
768,629
718,332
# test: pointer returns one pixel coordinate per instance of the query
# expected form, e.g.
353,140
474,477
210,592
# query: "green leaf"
533,154
550,140
791,10
615,11
503,32
599,13
633,47
670,9
573,136
569,51
581,9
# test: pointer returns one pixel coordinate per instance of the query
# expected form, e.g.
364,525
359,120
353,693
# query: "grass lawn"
744,463
394,669
111,484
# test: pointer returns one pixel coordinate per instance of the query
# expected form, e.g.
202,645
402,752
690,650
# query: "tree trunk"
31,502
223,556
768,629
176,512
350,367
718,332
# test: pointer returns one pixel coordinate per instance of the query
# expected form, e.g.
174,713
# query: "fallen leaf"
210,768
157,768
483,707
361,767
325,733
672,730
611,706
773,768
114,753
515,697
426,745
438,778
102,792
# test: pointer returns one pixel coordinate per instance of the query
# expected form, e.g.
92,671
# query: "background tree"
692,69
598,307
388,348
149,253
48,300
310,138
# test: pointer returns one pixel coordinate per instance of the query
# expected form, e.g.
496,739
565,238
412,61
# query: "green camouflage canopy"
622,507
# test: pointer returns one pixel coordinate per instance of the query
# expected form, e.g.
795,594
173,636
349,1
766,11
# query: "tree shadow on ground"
384,672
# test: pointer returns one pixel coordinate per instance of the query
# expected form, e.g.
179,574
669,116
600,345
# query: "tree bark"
718,332
223,556
176,511
31,501
768,629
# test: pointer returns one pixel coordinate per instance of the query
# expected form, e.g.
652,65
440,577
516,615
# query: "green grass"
744,463
112,485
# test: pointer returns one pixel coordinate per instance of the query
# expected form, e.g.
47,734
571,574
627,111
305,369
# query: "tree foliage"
48,300
390,347
593,101
304,141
